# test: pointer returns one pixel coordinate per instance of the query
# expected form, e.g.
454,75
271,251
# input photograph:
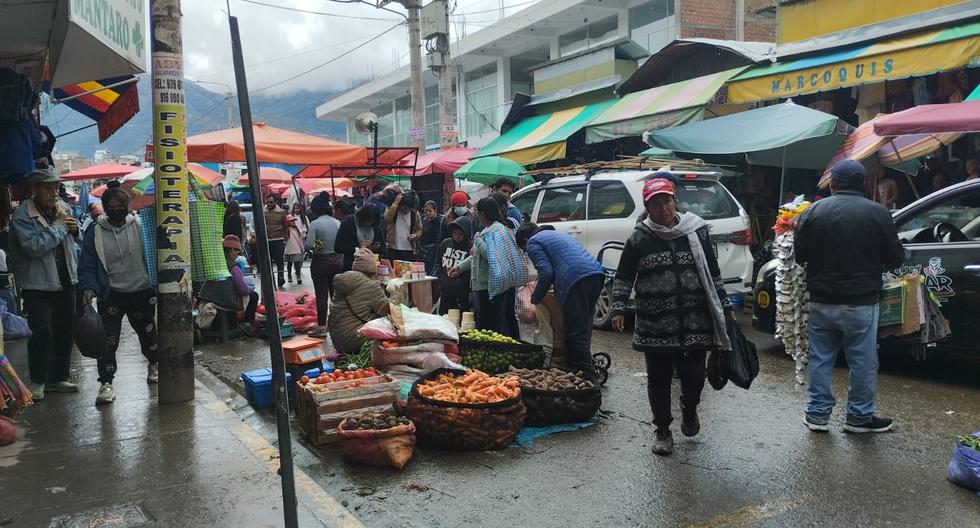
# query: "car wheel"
603,308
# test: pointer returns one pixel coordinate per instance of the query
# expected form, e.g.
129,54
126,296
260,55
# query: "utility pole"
228,108
417,134
174,323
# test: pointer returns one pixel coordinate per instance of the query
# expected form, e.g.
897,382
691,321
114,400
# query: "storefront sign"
121,111
170,155
416,134
119,24
900,64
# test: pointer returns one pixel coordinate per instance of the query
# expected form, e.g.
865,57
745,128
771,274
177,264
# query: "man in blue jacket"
577,277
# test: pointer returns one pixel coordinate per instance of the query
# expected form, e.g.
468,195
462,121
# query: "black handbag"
741,364
222,293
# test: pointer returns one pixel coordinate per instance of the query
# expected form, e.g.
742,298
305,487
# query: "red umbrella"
269,175
273,145
932,119
445,161
100,171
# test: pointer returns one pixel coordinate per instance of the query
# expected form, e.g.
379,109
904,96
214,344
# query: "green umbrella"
486,170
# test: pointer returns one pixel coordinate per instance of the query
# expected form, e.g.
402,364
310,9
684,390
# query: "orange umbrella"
273,145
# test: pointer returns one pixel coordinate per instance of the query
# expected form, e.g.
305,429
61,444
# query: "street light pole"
229,95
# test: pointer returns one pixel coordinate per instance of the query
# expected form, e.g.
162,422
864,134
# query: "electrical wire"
496,10
335,15
338,57
285,57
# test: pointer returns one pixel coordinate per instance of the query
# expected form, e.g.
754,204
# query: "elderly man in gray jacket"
44,258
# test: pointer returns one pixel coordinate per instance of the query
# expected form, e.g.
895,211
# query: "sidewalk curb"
310,495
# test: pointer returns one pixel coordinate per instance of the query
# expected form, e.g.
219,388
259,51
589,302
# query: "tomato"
304,380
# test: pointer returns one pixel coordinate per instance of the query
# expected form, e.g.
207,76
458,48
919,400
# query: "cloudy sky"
280,43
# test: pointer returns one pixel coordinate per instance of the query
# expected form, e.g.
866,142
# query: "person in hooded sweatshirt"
454,291
113,269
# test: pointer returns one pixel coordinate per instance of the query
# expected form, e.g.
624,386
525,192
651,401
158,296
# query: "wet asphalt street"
753,464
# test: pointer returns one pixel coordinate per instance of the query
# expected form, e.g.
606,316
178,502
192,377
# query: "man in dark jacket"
846,242
454,291
360,230
577,277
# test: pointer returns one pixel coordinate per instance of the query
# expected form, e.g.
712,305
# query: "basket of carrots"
466,410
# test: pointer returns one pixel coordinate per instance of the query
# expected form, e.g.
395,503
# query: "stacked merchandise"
408,344
494,353
908,309
296,310
327,400
792,297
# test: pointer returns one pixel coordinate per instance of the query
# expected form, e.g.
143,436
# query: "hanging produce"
792,297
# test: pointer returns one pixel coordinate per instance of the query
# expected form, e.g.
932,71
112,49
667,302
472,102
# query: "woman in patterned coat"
681,305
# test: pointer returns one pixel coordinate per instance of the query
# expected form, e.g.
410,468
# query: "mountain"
206,111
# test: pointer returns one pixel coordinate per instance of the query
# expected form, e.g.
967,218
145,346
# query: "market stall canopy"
443,161
542,138
79,41
487,170
109,102
316,185
974,95
141,181
932,119
785,135
273,145
914,55
269,175
863,142
100,171
381,161
657,108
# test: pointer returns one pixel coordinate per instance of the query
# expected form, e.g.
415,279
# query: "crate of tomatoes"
324,401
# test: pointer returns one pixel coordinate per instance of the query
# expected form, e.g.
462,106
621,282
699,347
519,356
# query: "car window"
525,202
962,211
707,199
610,199
563,204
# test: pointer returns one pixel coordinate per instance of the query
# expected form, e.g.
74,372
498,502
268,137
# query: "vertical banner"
170,159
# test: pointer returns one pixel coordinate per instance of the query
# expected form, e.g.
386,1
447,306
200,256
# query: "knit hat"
657,186
364,261
459,199
231,242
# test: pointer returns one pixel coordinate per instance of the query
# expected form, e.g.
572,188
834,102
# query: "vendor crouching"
681,305
358,298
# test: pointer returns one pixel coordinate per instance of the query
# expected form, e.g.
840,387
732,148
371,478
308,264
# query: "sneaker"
37,391
152,373
319,331
61,386
875,425
690,425
663,445
106,394
814,426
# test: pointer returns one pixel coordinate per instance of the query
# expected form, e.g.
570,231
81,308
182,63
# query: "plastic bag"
715,376
14,326
412,355
964,467
741,364
88,334
379,329
526,312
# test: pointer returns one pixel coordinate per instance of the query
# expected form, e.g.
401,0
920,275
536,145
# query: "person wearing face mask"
458,208
113,268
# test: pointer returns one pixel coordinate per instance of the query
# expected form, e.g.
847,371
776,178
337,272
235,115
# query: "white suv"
601,211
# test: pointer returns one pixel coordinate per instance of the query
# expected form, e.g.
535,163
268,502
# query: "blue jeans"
853,329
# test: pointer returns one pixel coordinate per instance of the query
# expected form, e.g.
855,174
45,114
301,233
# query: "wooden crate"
319,413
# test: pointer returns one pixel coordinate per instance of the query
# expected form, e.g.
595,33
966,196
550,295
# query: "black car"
941,233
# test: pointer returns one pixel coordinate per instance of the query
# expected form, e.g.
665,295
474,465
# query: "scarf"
687,226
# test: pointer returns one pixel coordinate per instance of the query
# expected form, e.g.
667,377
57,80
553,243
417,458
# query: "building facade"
550,51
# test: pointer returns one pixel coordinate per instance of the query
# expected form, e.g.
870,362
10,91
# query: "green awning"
656,108
780,135
542,138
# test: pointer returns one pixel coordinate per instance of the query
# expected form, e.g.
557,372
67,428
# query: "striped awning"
542,138
657,108
111,108
913,55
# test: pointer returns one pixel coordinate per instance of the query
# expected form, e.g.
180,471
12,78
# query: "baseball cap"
657,186
231,242
42,176
290,218
849,173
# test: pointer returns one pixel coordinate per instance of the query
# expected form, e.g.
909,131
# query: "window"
481,101
609,199
590,35
403,120
563,204
650,12
524,202
707,199
961,211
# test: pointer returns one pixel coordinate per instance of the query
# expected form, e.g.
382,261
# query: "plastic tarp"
273,145
932,119
780,135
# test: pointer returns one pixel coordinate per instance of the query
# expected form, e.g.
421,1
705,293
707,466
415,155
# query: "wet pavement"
754,463
136,463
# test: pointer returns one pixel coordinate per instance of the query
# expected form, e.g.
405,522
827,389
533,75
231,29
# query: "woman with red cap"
681,305
459,206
